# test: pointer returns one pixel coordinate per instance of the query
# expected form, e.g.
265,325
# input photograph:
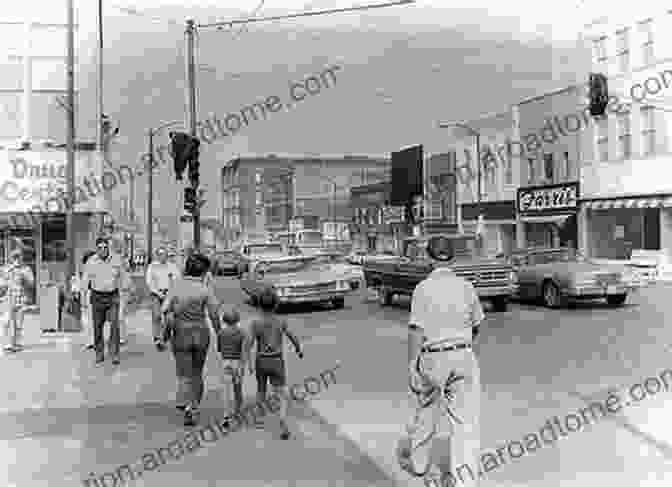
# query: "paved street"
66,418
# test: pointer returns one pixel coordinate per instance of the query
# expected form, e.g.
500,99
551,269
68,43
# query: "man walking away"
444,376
268,332
104,273
230,344
160,277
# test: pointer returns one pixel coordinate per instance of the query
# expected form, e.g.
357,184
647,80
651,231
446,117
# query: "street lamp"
150,183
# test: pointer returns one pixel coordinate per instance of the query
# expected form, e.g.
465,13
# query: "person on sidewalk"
18,278
185,308
230,346
268,332
104,272
161,277
444,376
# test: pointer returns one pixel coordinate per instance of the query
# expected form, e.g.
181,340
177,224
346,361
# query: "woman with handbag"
184,310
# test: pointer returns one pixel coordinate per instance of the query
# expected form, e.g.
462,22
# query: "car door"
526,276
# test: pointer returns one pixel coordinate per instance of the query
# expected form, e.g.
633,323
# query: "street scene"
443,261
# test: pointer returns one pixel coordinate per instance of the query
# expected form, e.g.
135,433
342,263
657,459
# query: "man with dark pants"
104,272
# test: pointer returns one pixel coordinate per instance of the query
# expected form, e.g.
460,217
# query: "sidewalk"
63,418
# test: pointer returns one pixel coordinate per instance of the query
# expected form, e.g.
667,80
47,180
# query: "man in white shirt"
444,376
160,277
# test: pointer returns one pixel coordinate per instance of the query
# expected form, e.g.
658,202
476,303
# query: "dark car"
227,263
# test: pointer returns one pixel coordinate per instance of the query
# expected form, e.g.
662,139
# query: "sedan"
296,279
555,276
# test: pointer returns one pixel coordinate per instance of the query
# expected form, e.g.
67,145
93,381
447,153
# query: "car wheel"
339,303
551,295
617,299
385,296
500,304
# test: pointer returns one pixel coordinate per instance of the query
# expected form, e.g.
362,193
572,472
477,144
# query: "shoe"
116,361
226,422
18,348
122,343
160,346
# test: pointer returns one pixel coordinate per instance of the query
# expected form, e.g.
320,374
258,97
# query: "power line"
231,23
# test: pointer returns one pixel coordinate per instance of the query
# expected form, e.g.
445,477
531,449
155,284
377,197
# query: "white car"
339,264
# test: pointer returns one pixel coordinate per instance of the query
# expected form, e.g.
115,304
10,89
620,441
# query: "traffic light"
184,149
598,94
190,199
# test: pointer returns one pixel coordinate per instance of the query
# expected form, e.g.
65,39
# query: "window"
648,130
624,137
646,32
53,240
548,167
600,50
530,169
567,167
603,139
623,51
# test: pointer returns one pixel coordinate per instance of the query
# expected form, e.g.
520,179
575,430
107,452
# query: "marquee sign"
545,200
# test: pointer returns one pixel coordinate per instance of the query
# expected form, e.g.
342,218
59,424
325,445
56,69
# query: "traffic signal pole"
190,32
150,197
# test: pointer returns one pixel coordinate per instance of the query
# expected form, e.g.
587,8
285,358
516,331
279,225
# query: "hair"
87,256
102,240
267,300
231,316
197,265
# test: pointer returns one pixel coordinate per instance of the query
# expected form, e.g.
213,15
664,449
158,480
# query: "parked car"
493,279
296,279
554,276
339,263
251,253
227,263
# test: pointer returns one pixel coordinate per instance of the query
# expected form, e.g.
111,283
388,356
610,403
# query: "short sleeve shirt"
446,306
268,332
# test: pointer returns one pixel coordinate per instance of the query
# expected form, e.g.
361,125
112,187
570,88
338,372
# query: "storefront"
548,215
32,210
499,224
375,227
617,226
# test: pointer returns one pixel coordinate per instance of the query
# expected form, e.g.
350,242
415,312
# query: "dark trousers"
190,345
157,326
105,307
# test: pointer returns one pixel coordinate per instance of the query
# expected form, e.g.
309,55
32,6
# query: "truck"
493,278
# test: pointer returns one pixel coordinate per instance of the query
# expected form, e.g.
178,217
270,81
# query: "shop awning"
545,218
648,202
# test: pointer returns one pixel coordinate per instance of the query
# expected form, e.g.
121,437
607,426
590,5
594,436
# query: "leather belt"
452,348
106,293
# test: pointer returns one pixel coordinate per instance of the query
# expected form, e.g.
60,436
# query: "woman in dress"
18,278
185,309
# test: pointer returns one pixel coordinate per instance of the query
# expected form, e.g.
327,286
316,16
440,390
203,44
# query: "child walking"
230,344
268,332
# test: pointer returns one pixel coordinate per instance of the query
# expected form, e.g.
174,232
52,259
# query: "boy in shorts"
268,332
230,344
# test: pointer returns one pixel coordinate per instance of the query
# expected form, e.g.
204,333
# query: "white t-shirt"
446,307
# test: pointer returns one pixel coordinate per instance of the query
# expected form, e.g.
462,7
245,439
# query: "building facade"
262,195
626,178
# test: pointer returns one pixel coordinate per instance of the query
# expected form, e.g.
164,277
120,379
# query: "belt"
452,348
106,293
270,355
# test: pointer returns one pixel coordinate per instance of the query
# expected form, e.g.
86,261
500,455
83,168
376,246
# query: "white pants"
460,438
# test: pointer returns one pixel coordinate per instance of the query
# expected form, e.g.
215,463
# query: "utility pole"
70,207
150,196
190,32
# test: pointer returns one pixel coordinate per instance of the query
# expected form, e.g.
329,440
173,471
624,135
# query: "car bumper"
491,292
591,292
313,297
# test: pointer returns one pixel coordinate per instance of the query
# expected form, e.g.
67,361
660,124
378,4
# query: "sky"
401,70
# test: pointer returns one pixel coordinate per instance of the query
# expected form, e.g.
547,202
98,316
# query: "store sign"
557,198
35,181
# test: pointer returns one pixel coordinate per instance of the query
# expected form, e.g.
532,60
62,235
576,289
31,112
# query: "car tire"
384,296
550,294
500,304
617,299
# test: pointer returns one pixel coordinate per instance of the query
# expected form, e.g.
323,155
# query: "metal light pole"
190,32
69,225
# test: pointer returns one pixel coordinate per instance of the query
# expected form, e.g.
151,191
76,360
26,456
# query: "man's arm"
293,339
416,333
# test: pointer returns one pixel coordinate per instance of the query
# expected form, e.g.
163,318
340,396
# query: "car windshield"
265,249
310,237
285,266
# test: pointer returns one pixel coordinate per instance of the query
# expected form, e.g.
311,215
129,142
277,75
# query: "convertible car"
296,279
554,276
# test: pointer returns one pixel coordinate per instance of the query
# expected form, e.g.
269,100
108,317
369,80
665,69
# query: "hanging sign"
544,200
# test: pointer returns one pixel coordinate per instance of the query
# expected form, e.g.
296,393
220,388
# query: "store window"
54,240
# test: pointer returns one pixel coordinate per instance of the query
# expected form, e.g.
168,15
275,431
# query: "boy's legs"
18,327
274,370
